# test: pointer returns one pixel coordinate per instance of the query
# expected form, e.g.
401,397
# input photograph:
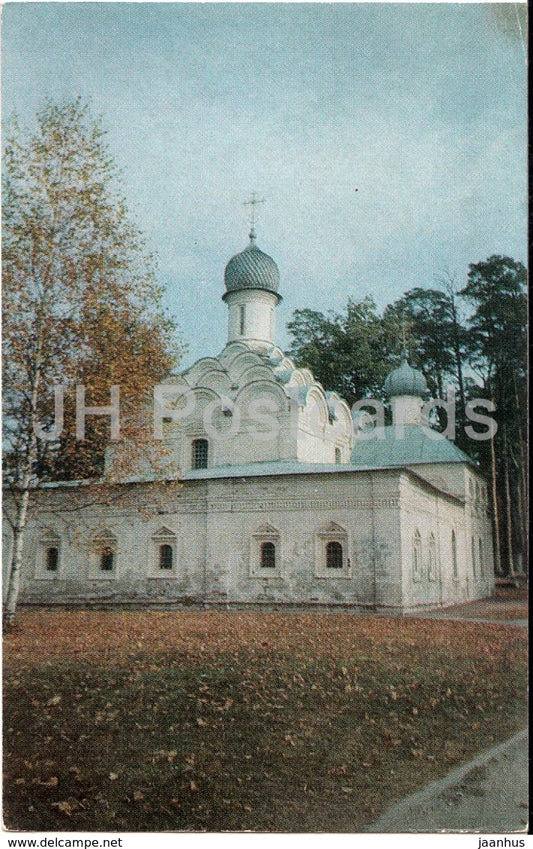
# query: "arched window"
52,558
334,555
165,556
432,558
107,559
337,455
332,550
266,559
268,555
455,571
164,553
480,549
200,453
48,555
104,560
474,556
417,556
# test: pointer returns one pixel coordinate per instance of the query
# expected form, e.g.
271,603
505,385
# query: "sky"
388,140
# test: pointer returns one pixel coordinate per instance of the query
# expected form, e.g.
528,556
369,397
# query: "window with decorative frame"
104,556
48,555
332,559
265,553
163,555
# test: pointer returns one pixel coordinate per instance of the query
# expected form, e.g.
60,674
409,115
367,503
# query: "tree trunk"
508,506
13,586
456,344
522,540
13,582
495,510
522,482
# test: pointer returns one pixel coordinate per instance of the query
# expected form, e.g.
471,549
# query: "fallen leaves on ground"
211,720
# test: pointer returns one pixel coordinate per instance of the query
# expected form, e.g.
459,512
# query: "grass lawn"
213,721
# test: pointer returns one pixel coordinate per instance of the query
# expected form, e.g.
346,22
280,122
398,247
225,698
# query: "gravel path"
488,795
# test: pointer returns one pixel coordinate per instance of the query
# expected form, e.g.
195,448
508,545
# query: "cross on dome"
253,202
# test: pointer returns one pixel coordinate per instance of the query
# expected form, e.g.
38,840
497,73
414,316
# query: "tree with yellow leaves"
81,306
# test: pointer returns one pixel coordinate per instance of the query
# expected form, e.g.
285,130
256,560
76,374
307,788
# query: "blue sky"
420,108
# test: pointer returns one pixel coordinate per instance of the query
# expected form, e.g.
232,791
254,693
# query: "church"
278,495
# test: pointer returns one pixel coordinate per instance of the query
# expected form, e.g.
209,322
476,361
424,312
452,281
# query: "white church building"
282,498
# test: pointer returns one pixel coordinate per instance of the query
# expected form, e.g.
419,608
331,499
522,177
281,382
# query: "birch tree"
81,305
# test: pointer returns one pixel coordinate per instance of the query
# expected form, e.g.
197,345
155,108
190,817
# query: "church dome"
251,269
405,380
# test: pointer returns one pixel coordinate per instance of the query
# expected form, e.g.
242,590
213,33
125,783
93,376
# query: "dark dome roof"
405,380
251,269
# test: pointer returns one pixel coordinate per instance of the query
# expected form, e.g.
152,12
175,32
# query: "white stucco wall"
429,512
216,528
259,315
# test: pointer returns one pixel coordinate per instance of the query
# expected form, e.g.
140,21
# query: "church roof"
251,269
294,467
414,445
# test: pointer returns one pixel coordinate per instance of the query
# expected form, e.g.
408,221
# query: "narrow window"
432,561
417,555
52,559
474,556
334,555
480,548
337,455
165,556
241,319
200,452
454,555
268,555
107,559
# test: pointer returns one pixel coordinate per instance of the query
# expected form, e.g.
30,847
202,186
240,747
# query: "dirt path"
488,795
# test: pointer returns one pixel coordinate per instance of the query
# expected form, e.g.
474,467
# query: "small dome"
251,269
405,380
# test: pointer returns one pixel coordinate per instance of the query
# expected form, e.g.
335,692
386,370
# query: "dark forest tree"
496,288
435,340
351,352
482,357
